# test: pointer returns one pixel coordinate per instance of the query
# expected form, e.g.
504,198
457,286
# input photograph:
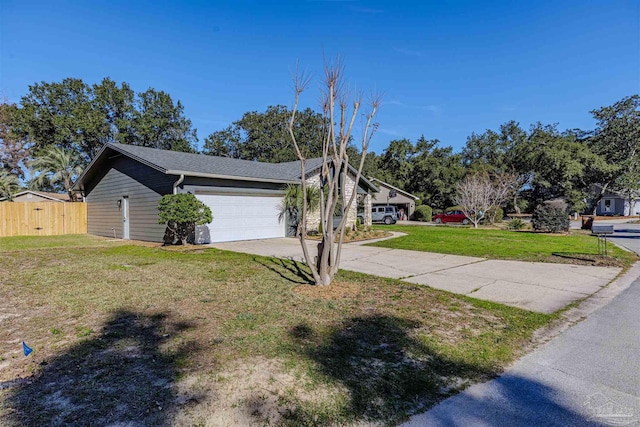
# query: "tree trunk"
324,268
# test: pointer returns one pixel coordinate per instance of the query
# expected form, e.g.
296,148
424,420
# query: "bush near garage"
182,212
550,219
423,213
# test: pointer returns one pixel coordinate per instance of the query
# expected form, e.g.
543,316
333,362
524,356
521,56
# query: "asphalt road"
627,236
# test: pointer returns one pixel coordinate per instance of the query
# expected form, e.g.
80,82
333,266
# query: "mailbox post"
602,231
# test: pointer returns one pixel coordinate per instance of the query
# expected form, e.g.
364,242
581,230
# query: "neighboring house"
616,204
402,200
124,183
37,196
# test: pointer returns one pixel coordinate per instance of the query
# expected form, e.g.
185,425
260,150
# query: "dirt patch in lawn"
586,259
254,391
335,291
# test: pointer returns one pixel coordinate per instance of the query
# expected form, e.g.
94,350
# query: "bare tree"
339,114
505,186
479,194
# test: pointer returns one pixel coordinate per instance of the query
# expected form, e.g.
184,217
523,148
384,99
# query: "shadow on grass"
121,377
290,270
389,373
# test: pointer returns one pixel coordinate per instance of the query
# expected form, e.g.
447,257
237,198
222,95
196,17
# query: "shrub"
549,218
359,225
494,215
516,224
181,213
423,213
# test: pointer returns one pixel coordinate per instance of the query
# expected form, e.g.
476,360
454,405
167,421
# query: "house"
37,196
615,204
124,183
393,196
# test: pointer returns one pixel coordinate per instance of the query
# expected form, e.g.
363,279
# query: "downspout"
178,182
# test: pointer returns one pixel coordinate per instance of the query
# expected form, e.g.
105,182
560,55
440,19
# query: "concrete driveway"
540,287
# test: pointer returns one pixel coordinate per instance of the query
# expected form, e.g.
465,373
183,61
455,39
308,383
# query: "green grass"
41,242
576,247
135,334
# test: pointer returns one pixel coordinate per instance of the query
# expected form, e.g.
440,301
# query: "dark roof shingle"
189,163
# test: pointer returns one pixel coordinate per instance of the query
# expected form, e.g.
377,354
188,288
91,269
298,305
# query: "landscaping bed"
127,334
357,235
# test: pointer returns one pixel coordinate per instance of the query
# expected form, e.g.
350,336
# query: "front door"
125,217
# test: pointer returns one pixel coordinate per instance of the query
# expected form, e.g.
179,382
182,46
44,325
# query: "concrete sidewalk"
588,376
540,287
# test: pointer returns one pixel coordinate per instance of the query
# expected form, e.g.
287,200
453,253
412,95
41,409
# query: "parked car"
385,214
451,216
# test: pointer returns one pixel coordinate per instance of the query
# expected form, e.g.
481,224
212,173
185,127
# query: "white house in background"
615,204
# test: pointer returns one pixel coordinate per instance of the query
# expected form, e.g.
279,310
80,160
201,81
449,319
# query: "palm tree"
9,184
291,205
55,165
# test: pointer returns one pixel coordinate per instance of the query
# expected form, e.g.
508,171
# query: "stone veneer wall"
313,218
368,202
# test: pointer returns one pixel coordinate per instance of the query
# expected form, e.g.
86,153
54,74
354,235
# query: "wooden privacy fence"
42,218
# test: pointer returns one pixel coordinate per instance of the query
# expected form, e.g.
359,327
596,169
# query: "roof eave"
78,185
230,177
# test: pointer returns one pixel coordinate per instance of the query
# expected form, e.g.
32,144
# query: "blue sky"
447,68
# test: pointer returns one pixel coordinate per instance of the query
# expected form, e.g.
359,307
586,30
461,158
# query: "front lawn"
39,242
576,247
139,335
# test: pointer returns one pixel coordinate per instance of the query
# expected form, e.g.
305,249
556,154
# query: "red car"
451,216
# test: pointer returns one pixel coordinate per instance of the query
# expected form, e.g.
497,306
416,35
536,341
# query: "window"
607,205
389,210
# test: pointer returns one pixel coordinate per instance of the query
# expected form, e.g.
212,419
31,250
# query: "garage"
128,181
243,217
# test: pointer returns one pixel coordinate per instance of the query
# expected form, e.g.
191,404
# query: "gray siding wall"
144,187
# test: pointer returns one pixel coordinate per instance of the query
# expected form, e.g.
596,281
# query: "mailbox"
602,230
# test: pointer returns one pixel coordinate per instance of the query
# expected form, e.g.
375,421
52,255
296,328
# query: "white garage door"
237,217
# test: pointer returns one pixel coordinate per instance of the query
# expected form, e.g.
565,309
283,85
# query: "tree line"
57,128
